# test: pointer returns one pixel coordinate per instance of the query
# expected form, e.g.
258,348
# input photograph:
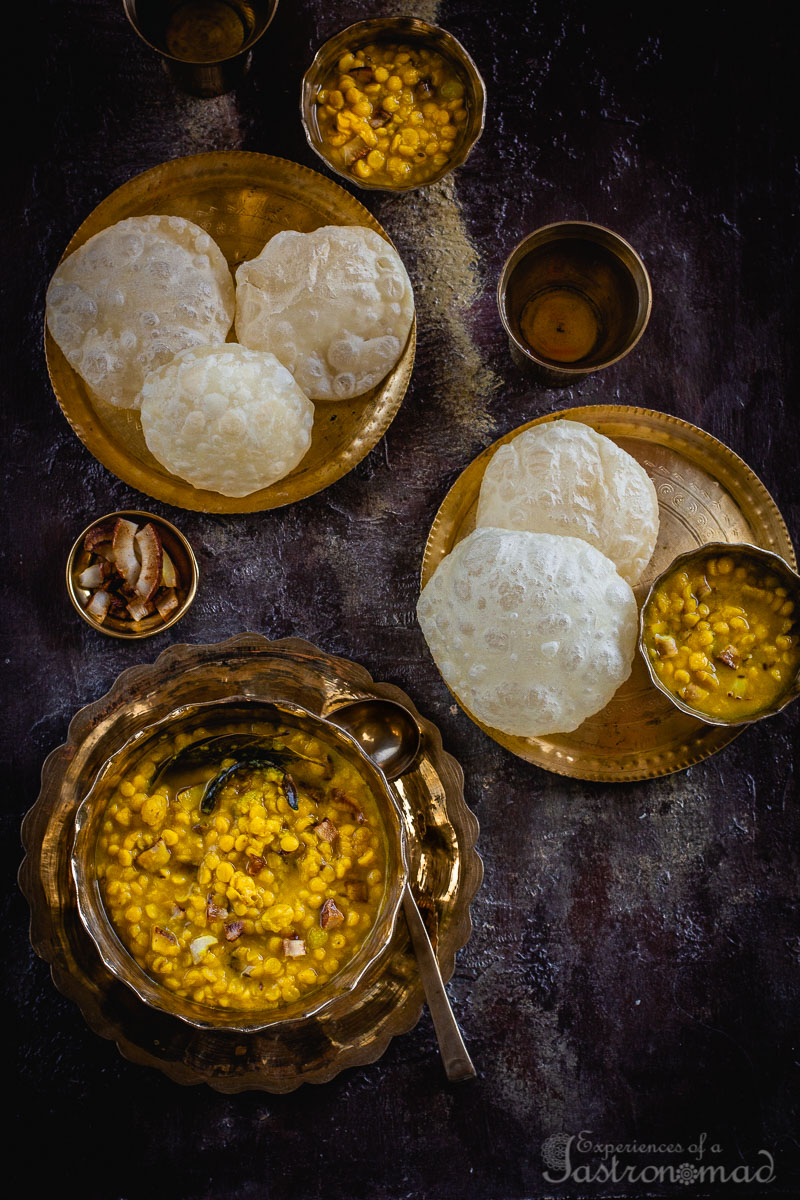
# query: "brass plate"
706,493
444,869
241,199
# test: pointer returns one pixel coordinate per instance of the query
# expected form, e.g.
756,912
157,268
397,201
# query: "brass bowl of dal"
244,715
740,658
412,32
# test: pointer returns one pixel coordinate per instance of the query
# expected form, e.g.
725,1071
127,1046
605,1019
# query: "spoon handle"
457,1062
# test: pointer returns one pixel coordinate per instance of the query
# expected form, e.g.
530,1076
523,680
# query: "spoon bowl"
384,729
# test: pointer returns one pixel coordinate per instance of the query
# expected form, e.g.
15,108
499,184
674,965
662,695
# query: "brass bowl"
395,29
765,558
574,297
334,997
444,867
179,551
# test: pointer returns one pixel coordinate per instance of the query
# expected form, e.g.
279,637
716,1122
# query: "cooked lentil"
255,904
392,114
723,636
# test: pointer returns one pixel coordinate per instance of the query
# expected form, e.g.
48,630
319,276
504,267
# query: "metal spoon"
388,733
384,729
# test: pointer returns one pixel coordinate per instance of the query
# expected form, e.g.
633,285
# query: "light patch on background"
447,282
212,124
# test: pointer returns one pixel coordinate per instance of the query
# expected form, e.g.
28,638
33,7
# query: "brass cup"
743,550
234,25
179,551
394,29
573,298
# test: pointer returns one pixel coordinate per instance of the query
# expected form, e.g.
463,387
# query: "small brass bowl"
395,29
179,551
241,713
573,298
692,558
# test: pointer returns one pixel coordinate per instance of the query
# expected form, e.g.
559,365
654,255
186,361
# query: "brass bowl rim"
96,922
191,62
133,635
580,228
708,549
410,26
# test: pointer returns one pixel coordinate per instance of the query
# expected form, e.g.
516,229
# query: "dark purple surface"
634,967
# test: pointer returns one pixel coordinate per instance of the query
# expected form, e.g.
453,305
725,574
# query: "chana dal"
723,636
392,114
255,903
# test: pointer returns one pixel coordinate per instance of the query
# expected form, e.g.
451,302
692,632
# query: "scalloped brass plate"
241,199
445,871
706,493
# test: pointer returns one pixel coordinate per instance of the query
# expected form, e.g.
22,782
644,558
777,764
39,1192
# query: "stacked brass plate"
241,199
706,493
444,868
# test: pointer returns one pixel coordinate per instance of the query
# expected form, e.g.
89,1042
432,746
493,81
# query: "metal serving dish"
444,867
334,997
395,29
181,554
204,76
706,493
772,562
241,200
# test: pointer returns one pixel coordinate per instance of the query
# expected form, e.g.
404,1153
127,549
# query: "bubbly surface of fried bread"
133,296
334,306
225,418
563,477
533,632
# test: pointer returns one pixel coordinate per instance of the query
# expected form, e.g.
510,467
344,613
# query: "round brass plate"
445,870
241,199
706,493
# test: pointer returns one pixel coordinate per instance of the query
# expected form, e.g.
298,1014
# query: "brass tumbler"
573,297
206,46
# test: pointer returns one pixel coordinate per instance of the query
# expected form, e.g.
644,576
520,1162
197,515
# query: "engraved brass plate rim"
683,740
445,870
300,198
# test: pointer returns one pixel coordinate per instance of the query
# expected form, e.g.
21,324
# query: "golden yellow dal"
722,635
392,114
254,904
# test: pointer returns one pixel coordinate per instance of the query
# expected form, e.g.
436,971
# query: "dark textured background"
634,966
